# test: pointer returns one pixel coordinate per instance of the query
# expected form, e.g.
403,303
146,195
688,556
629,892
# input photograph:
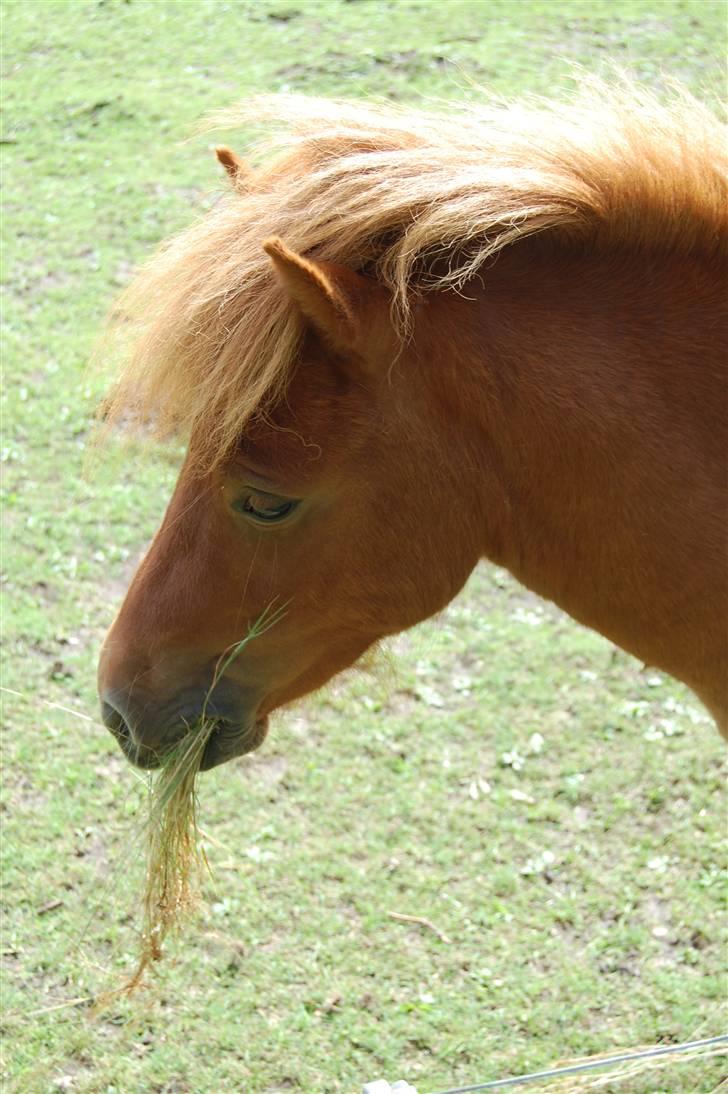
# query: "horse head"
332,517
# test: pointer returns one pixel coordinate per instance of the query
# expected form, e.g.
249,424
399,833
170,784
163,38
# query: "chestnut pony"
404,342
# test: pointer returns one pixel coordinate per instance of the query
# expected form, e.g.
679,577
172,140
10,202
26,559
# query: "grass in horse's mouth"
176,861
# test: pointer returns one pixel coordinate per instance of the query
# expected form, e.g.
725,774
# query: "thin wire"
592,1065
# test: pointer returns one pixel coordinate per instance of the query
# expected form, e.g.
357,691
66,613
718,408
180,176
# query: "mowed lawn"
551,806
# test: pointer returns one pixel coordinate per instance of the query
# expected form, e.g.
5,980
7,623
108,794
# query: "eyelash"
279,508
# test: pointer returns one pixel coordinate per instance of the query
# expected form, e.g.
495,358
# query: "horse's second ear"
236,168
332,298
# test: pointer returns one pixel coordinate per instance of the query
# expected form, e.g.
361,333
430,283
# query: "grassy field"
553,808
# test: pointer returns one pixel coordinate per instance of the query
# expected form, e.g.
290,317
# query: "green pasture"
552,807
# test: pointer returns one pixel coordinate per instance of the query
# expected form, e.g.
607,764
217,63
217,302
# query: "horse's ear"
332,298
236,168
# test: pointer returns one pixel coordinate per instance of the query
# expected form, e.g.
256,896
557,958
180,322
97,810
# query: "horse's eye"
265,508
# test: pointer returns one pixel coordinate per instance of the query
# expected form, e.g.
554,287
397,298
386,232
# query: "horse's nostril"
146,745
114,721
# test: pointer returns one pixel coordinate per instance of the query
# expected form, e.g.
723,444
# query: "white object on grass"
381,1086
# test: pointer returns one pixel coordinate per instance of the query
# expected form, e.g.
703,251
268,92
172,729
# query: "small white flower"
478,787
532,619
257,854
520,796
635,709
671,728
513,759
538,864
430,696
574,780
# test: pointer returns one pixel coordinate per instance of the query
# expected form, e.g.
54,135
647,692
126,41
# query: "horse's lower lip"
225,743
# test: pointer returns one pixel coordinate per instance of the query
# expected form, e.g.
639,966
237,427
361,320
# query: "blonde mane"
421,201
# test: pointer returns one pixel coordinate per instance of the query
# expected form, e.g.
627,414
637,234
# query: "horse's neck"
597,392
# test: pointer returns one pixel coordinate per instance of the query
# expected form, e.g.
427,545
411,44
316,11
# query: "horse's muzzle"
146,745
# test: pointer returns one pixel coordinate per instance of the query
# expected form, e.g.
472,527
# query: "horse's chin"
227,742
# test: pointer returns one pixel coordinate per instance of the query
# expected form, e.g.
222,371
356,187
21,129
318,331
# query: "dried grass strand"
176,860
624,1066
578,1084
